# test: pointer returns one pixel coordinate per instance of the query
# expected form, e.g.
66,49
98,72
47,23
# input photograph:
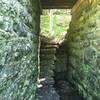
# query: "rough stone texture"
47,58
46,91
67,91
84,49
19,29
61,62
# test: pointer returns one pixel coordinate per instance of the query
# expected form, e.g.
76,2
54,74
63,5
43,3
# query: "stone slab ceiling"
57,4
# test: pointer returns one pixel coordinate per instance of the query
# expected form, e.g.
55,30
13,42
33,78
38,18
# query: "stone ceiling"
57,4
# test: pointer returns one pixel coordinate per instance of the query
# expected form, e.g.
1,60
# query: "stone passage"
53,84
46,91
19,40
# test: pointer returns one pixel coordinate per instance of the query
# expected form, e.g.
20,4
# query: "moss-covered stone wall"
19,32
84,48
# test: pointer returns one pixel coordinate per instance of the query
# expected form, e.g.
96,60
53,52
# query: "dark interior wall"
57,4
83,42
61,63
19,32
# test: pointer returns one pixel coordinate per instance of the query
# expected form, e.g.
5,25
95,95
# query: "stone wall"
19,31
61,62
83,41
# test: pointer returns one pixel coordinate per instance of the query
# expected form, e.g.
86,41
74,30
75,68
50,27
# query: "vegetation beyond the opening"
54,22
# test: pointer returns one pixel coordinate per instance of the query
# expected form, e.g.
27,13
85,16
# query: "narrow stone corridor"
70,71
53,83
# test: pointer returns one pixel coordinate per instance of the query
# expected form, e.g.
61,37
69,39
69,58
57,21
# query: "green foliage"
45,25
61,20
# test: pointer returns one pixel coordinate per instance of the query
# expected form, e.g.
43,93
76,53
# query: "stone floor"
66,91
62,90
47,93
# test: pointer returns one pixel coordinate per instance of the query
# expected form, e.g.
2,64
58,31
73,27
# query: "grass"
61,20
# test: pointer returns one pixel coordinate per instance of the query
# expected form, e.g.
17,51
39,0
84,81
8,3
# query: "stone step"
47,57
47,93
49,46
49,54
46,75
46,68
46,72
48,43
48,51
52,67
48,62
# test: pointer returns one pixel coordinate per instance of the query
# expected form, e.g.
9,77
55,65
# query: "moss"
19,32
84,69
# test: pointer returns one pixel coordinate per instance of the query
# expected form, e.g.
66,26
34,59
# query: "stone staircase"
53,83
46,91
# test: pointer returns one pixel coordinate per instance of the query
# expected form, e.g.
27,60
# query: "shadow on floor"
67,91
